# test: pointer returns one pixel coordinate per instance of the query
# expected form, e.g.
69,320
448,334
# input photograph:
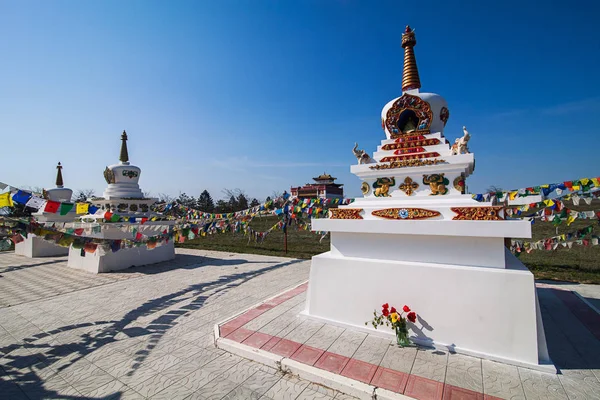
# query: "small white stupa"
416,238
123,197
33,246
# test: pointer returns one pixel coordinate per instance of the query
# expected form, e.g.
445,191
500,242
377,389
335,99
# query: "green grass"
578,264
301,244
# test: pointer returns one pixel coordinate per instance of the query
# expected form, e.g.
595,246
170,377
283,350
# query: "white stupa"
33,246
124,198
416,238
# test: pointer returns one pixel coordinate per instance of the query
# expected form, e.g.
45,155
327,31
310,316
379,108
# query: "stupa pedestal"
123,197
34,246
102,261
417,239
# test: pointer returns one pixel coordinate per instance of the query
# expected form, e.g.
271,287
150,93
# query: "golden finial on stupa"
410,74
124,157
59,178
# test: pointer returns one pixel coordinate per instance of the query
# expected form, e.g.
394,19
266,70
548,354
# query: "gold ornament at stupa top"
410,74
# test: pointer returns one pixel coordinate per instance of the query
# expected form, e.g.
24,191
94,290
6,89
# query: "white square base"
33,247
122,259
492,313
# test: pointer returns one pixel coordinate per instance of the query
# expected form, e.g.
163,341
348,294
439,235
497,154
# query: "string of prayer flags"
582,184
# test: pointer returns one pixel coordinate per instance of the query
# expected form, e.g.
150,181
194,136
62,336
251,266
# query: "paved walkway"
148,336
148,332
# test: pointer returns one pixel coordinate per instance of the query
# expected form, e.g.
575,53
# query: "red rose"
385,306
385,312
412,316
406,308
393,310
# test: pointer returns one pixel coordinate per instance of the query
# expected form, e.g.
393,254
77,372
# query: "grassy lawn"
301,244
578,264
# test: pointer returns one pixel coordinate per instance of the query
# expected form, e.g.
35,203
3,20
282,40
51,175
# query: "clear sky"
262,95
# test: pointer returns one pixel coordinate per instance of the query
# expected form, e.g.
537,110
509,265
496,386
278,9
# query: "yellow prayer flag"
548,203
570,220
584,181
6,200
576,188
596,182
513,195
82,208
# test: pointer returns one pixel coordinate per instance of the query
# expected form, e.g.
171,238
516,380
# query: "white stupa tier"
416,238
33,246
123,197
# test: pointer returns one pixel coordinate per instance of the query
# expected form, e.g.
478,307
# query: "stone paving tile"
399,358
430,364
501,380
325,337
216,389
261,381
303,331
347,343
154,385
580,384
539,385
371,350
287,388
464,372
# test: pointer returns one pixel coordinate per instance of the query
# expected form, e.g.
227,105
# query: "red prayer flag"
52,206
78,231
144,220
138,236
90,247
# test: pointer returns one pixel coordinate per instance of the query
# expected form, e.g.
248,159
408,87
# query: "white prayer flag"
35,202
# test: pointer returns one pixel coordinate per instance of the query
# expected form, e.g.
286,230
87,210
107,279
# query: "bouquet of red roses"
395,320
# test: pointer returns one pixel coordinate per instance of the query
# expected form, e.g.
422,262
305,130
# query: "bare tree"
83,195
494,189
165,198
35,189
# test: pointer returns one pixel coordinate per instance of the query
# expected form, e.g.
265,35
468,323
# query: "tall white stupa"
124,198
416,238
33,246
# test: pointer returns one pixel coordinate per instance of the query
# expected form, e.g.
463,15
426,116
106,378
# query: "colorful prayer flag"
6,200
52,206
82,208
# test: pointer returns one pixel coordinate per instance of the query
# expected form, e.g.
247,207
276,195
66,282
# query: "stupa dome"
122,178
413,111
59,193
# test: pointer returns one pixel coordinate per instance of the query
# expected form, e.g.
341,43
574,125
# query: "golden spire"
59,179
410,74
124,157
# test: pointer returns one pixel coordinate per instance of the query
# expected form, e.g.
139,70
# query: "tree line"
232,201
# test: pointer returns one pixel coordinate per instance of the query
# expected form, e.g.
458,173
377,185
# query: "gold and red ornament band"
407,164
345,213
410,150
406,213
492,213
411,143
411,157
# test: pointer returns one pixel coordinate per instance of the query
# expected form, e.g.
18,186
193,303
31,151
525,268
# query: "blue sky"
262,95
